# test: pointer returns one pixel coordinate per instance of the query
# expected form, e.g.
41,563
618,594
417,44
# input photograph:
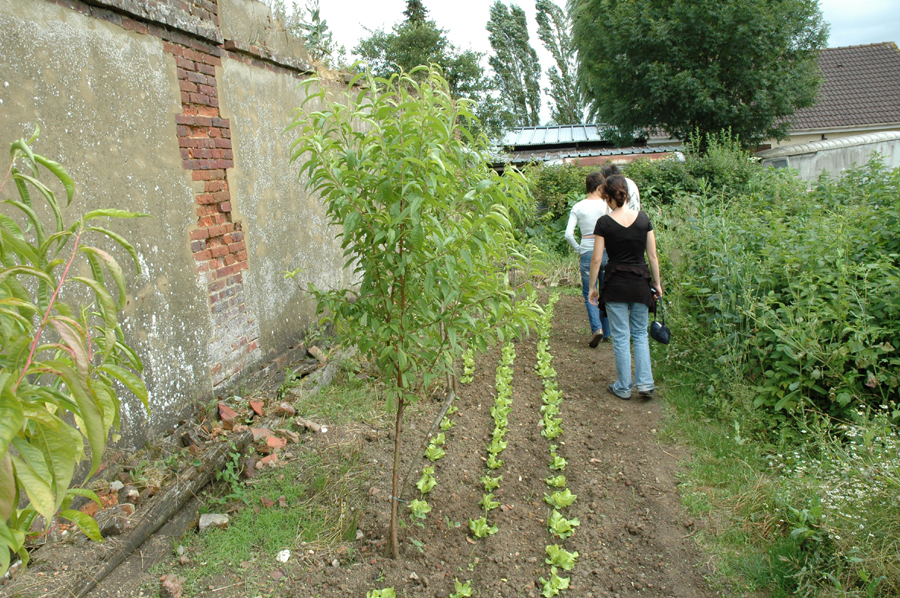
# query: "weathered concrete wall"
835,155
287,228
153,108
105,101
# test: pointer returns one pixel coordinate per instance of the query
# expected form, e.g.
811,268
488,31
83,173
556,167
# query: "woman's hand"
657,291
594,297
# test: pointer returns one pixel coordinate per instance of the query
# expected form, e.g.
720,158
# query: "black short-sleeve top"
627,277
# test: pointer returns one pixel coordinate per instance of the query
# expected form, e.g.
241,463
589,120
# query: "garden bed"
633,538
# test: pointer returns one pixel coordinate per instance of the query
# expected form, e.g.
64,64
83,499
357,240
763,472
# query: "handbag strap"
660,315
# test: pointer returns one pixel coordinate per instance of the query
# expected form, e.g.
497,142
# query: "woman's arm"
654,262
596,260
570,231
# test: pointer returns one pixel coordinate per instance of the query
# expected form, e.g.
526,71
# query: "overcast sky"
851,22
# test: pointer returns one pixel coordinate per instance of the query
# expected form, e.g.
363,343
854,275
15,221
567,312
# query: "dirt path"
633,539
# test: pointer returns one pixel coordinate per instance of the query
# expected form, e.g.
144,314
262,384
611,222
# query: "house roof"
861,87
554,155
524,137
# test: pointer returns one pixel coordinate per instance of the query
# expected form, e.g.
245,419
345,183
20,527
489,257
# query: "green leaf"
37,484
85,523
63,177
7,488
113,213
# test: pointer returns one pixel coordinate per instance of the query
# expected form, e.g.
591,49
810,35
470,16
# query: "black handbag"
658,329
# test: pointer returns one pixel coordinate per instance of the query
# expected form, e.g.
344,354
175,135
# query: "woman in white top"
585,214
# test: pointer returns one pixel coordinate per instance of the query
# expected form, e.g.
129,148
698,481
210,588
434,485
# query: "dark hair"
616,189
593,180
610,170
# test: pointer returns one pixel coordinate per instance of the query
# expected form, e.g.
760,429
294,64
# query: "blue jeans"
593,311
629,323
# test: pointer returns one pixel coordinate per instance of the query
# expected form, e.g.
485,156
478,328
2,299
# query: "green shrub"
801,289
59,363
714,165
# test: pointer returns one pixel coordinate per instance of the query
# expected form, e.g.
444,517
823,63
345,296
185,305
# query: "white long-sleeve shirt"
585,214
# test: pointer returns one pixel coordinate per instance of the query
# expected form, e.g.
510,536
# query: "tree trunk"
395,486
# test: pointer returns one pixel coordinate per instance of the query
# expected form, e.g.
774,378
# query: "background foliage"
785,300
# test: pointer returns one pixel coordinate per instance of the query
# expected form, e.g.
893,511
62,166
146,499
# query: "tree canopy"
554,30
699,65
414,42
517,71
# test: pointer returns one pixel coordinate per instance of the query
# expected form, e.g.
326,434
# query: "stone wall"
158,106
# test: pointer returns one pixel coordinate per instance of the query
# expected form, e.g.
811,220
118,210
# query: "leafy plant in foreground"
434,453
488,503
425,229
385,593
556,481
427,481
490,483
59,363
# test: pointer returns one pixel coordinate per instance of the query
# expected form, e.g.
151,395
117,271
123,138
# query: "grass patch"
324,493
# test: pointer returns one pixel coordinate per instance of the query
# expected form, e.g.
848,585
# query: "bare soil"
634,539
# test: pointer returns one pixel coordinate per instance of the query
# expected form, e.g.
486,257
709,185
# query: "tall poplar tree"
415,12
517,71
554,30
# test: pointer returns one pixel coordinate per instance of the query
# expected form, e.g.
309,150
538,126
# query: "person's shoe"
595,339
609,387
646,394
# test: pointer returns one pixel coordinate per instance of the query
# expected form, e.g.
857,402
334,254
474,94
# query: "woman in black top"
630,287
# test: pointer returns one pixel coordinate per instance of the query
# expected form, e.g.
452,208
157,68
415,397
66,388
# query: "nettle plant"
60,362
424,225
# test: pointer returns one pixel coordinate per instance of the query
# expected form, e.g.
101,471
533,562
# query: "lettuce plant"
560,499
552,587
427,481
385,593
480,528
491,483
434,452
488,503
419,508
463,590
558,463
560,557
556,481
560,526
446,424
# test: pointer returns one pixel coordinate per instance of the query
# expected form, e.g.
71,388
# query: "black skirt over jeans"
627,278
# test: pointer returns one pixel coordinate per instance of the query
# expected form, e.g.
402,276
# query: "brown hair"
610,170
616,189
593,181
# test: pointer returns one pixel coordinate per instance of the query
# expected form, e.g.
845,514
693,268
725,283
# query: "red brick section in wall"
218,241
